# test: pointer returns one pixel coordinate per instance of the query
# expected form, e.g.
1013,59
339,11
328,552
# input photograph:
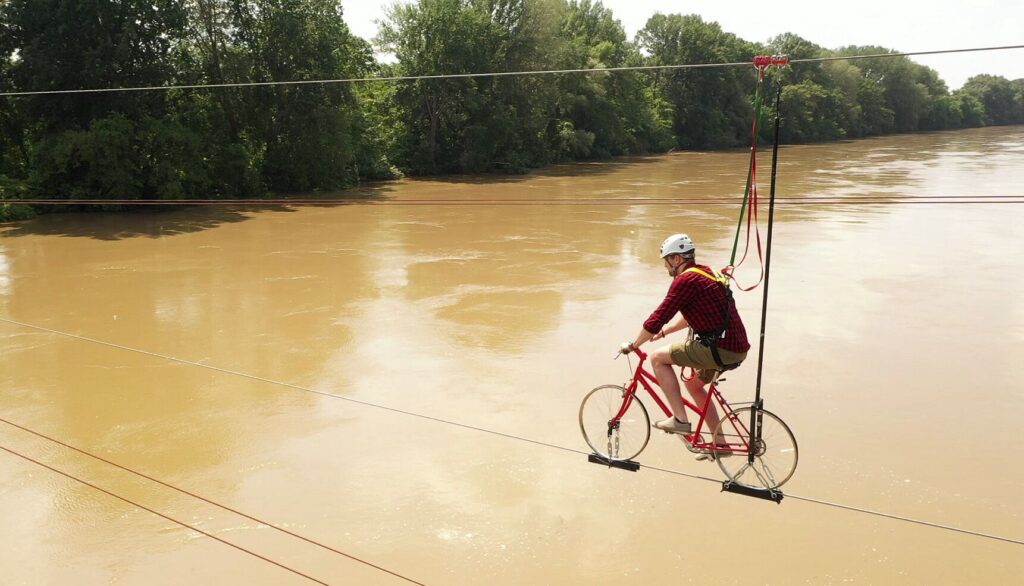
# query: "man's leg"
696,387
661,363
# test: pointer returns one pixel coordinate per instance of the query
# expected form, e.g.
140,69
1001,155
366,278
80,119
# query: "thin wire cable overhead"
206,500
498,433
490,74
161,515
596,201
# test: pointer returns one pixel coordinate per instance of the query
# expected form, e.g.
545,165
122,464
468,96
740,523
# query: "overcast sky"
910,25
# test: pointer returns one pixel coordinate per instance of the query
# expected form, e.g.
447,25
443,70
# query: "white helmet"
677,244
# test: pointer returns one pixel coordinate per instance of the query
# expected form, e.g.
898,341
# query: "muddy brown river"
397,383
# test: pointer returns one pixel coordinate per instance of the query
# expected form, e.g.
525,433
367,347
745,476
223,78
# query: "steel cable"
610,201
159,514
494,74
494,432
206,500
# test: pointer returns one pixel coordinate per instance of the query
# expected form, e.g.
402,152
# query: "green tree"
310,134
944,113
972,111
812,113
1018,97
228,142
515,117
844,79
832,90
14,155
431,37
998,96
796,47
84,44
475,124
876,116
91,139
910,91
711,108
604,114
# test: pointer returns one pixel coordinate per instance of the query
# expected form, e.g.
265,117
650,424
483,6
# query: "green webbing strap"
750,167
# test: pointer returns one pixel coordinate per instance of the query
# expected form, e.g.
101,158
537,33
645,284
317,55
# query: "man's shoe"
673,425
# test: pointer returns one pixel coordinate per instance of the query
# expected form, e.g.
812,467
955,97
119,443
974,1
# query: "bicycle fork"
755,448
613,425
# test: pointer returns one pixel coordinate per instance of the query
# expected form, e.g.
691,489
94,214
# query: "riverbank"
11,210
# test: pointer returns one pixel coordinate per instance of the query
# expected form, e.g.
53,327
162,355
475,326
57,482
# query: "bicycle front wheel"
775,454
615,440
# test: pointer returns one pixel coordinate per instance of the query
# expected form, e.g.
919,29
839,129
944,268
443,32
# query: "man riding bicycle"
718,340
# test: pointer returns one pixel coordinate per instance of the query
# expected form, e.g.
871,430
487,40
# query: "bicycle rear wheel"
775,455
622,440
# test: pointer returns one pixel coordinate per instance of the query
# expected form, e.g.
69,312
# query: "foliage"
1001,99
63,44
230,142
11,190
710,106
431,36
614,114
812,113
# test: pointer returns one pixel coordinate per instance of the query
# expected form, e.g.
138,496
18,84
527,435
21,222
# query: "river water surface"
895,337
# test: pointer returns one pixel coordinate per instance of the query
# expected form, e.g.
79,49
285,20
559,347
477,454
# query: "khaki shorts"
698,357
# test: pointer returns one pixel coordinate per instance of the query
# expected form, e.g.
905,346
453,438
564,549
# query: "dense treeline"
232,142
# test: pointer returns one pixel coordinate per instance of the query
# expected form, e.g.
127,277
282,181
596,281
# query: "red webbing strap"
762,62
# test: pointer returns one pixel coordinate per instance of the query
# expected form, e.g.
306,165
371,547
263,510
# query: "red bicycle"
616,426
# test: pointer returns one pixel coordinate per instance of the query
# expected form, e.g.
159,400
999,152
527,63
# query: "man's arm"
644,336
677,324
641,338
658,324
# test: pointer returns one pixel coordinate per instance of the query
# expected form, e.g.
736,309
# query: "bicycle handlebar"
640,353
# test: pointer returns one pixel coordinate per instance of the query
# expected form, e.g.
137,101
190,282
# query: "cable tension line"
487,74
491,431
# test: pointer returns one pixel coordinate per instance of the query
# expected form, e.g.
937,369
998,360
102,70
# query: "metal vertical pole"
755,414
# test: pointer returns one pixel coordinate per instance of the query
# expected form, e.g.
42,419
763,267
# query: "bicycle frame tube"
641,377
644,378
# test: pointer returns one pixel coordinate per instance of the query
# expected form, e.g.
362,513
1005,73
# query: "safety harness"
710,338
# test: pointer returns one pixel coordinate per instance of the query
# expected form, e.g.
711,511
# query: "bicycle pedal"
689,445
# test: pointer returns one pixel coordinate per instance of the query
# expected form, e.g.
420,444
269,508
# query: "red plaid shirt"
702,303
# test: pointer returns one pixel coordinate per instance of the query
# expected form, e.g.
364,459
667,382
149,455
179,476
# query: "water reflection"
132,223
5,273
500,317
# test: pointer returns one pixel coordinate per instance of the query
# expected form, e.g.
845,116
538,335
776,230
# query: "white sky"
910,25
